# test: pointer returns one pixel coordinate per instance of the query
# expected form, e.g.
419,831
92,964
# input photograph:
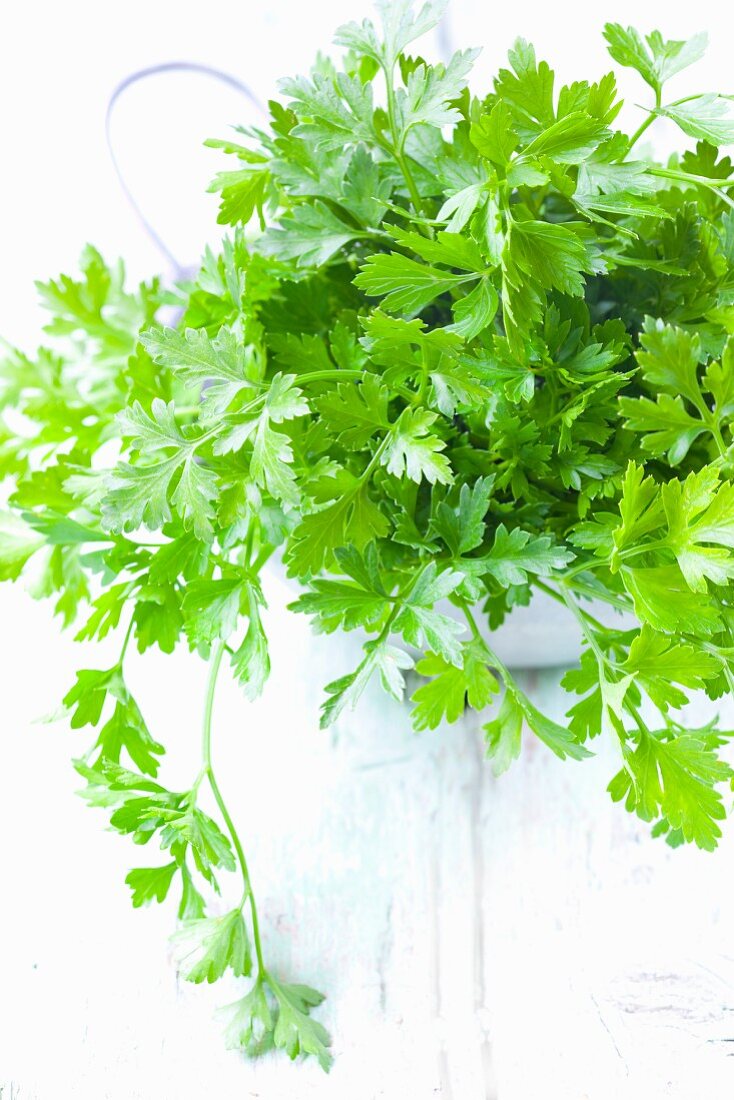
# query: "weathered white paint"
478,938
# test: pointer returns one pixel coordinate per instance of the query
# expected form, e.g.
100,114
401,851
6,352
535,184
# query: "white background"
88,1002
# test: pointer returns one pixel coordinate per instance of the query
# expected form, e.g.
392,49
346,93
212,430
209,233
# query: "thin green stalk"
126,642
398,152
646,547
208,770
603,594
558,597
601,658
632,709
373,462
420,394
703,181
647,122
583,567
718,439
492,658
641,130
335,375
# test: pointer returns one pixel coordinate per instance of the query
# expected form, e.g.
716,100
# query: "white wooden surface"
477,938
519,938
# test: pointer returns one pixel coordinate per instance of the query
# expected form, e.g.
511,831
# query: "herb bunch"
456,348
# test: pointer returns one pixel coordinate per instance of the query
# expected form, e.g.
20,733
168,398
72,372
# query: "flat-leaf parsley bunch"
456,348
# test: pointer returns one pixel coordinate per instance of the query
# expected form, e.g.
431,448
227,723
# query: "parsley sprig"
456,348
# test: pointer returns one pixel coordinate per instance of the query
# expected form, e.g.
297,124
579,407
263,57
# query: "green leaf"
494,135
663,599
211,609
676,777
249,1023
296,1032
459,207
697,515
474,312
421,625
503,734
550,254
462,527
139,493
311,234
450,249
126,730
333,110
157,617
353,519
704,117
405,285
356,412
186,824
220,363
515,554
359,601
108,608
401,25
669,429
87,697
655,59
204,949
413,451
528,89
430,88
18,543
451,689
659,664
389,661
243,191
569,140
271,456
251,661
559,739
151,883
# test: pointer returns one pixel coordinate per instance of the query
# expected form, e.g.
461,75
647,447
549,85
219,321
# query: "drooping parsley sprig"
458,346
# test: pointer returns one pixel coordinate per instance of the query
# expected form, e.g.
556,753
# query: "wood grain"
478,938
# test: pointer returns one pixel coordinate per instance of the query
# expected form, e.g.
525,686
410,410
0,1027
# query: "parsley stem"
397,150
648,122
640,131
601,657
632,709
375,460
559,598
718,438
703,181
646,547
336,375
492,657
126,642
208,770
587,566
420,394
599,593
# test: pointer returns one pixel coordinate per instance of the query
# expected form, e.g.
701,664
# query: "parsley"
455,348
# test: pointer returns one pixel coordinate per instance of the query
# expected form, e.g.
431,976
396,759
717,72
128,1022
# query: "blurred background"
89,1007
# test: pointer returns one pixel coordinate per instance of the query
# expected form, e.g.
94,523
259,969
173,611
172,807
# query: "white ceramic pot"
543,634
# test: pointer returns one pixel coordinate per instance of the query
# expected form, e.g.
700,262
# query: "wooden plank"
478,938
